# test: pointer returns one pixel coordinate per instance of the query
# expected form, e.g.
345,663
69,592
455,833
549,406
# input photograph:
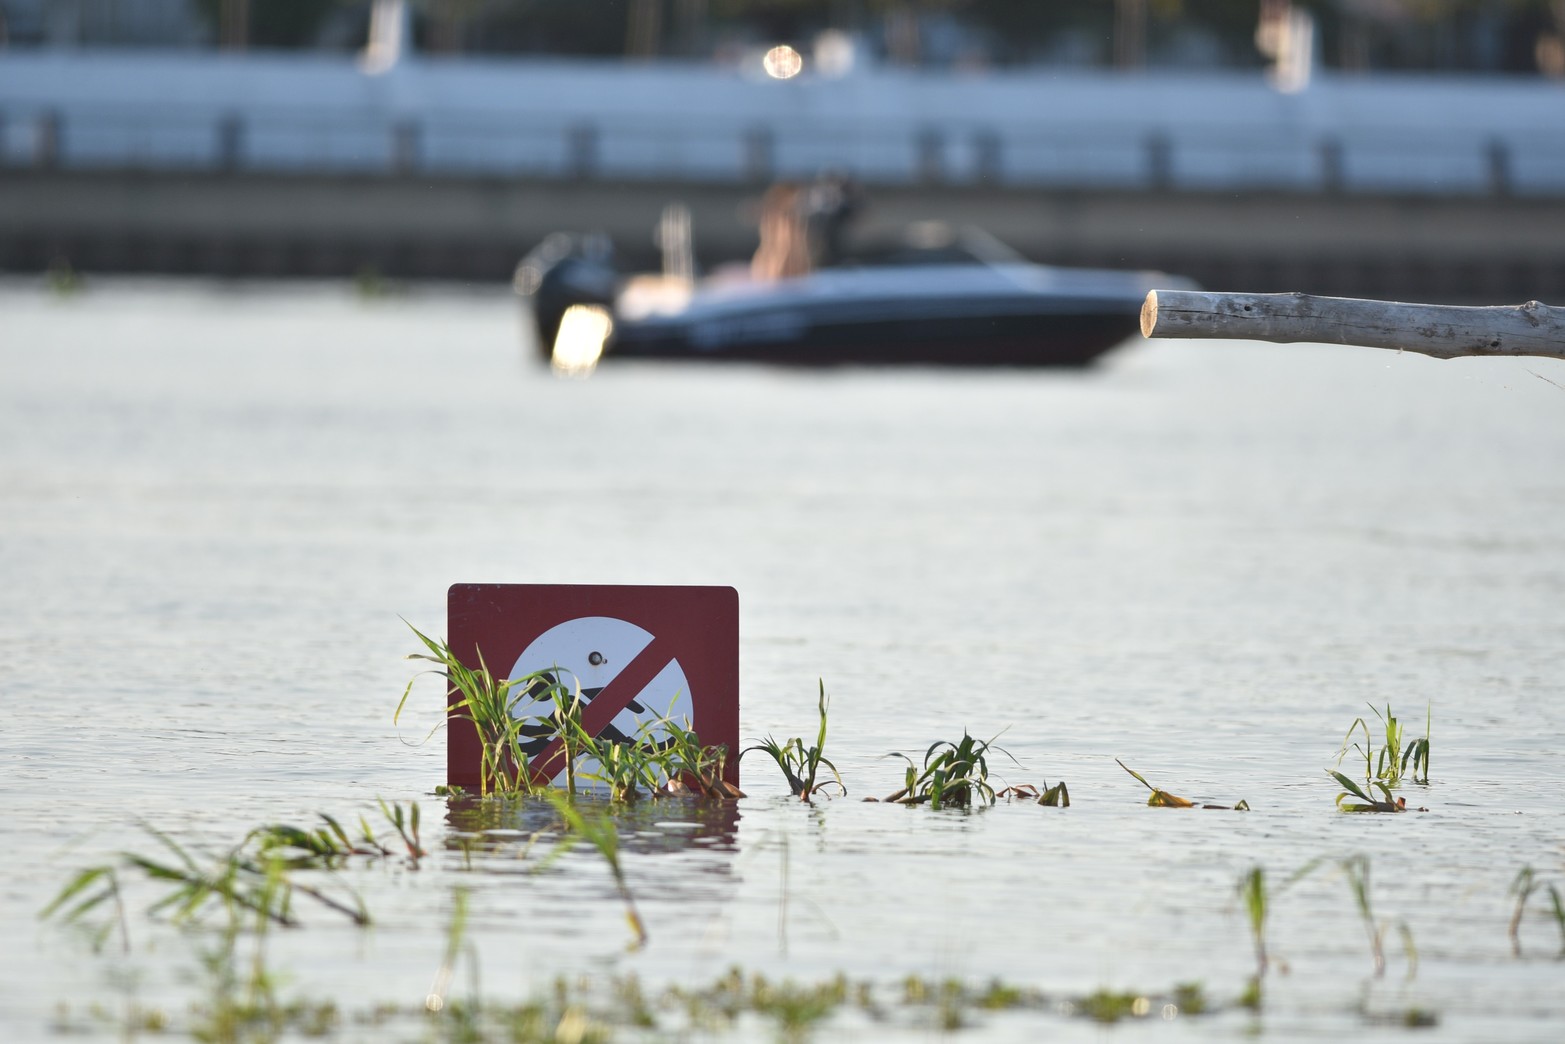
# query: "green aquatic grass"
83,895
1114,1005
1415,758
1257,905
255,877
665,758
1525,885
953,774
677,762
628,770
801,764
1356,870
691,766
625,770
1257,896
1395,757
488,704
246,891
330,846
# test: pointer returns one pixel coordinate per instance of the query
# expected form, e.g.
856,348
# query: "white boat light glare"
782,62
579,344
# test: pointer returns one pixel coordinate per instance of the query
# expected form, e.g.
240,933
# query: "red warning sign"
637,655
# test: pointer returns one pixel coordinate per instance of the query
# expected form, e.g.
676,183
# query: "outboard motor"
560,272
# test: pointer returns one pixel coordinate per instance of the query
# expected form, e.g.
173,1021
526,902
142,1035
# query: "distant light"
835,52
578,345
782,62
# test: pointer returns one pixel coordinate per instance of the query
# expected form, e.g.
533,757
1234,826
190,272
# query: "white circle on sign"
585,655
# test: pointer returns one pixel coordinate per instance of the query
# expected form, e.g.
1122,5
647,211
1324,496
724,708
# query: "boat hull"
1073,339
963,314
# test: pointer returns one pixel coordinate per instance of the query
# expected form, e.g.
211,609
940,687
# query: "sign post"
636,655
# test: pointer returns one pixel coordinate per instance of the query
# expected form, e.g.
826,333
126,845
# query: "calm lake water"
1202,558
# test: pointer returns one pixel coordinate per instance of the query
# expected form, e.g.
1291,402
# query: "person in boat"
802,226
784,250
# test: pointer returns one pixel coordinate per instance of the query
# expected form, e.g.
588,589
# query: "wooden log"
1443,331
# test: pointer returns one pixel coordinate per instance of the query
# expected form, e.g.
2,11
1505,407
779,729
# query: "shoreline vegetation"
226,905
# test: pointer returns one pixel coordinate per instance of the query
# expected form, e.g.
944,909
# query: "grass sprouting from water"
84,894
693,767
488,704
256,877
1257,904
514,715
330,846
1526,883
1393,759
954,774
674,761
801,765
1356,869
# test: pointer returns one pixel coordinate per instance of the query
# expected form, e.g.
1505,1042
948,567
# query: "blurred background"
1393,148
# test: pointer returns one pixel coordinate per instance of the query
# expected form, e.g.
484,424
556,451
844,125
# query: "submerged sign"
636,655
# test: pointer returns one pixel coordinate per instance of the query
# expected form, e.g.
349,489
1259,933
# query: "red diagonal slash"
613,698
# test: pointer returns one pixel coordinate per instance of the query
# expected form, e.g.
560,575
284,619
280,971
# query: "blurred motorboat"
939,297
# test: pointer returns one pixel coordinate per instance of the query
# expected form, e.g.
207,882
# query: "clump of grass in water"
677,763
692,767
253,888
1393,759
487,703
253,876
1110,1006
954,774
1163,799
801,765
796,1009
1113,1005
1526,883
327,847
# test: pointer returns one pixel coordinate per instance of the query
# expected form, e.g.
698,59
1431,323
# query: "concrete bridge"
1436,190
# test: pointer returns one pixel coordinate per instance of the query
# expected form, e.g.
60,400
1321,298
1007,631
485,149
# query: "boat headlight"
584,330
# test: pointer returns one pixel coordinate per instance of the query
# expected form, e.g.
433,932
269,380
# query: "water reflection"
662,826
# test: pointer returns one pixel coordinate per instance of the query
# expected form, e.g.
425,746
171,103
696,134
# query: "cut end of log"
1149,314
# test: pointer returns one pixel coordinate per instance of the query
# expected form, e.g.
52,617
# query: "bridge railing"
283,140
